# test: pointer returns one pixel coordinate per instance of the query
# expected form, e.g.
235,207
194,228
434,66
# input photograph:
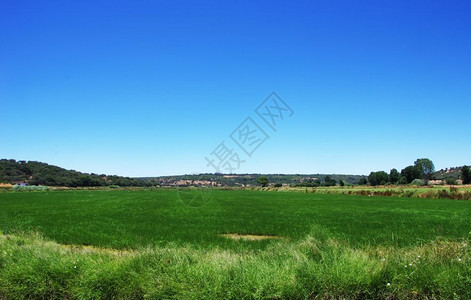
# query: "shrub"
450,181
30,188
278,185
443,194
403,180
419,182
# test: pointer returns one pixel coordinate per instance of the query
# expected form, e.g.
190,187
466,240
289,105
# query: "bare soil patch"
249,237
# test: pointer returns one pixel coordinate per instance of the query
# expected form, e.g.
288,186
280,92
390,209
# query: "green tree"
376,178
411,173
394,176
403,180
363,181
263,181
465,175
425,167
341,183
450,181
329,181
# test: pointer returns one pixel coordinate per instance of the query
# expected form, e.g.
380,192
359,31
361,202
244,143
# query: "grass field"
135,244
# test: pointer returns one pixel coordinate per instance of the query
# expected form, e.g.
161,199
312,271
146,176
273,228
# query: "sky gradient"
148,88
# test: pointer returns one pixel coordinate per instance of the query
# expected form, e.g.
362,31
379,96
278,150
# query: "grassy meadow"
147,243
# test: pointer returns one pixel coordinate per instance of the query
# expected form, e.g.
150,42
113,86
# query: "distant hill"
39,173
235,180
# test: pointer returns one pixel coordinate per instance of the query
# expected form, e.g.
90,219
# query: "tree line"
420,173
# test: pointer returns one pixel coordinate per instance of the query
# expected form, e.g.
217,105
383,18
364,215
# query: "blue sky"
144,88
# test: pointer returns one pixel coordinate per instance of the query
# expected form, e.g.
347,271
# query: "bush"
30,188
278,185
418,182
450,181
403,180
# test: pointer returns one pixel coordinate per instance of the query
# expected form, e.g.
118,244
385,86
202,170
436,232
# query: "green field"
122,219
148,243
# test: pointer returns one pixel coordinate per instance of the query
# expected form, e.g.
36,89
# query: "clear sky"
144,88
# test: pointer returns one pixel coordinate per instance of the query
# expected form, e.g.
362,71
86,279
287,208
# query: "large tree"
410,173
329,181
425,167
394,176
465,175
263,181
376,178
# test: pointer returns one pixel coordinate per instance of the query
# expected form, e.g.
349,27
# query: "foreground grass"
315,267
147,244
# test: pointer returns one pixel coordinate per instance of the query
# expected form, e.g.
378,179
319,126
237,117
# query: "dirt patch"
84,249
250,237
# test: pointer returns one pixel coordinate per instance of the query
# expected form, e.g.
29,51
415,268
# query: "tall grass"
426,193
317,266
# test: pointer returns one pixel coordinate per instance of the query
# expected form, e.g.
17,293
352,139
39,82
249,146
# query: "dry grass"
249,237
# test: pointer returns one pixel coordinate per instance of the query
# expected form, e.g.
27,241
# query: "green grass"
130,219
334,246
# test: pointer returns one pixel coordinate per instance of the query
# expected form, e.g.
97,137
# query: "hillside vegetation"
39,173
